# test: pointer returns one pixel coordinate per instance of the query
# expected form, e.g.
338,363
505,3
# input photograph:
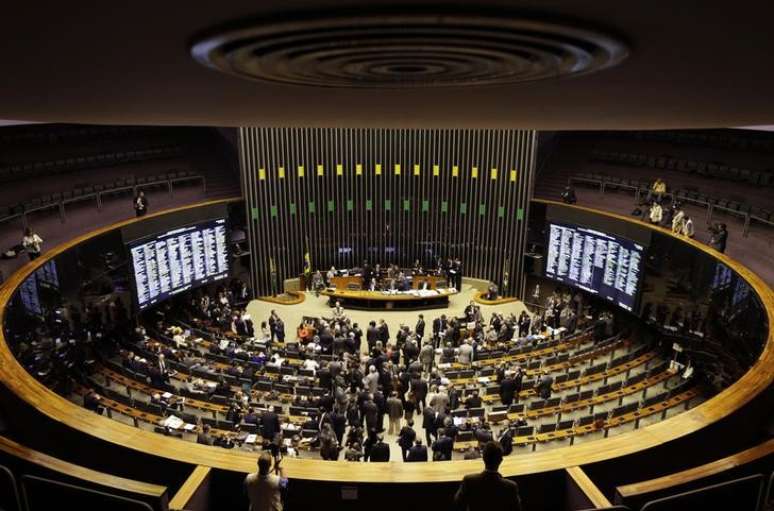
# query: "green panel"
254,213
482,209
444,206
331,206
312,207
520,214
463,208
500,211
350,205
425,206
292,208
273,211
369,205
406,205
387,204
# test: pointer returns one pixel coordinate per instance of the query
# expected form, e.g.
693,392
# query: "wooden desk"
369,300
355,282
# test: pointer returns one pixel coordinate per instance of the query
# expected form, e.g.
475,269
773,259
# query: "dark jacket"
488,491
417,453
380,452
406,437
507,390
271,425
442,449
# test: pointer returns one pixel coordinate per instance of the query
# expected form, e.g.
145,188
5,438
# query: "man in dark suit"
429,423
380,452
507,389
420,328
442,448
271,425
372,335
544,385
339,422
488,490
406,438
418,452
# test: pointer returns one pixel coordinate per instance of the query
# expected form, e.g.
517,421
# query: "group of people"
488,489
391,278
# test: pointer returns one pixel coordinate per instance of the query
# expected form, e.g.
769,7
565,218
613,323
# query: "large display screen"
597,262
178,260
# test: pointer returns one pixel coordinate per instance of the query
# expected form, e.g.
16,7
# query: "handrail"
758,378
68,469
587,486
191,486
696,473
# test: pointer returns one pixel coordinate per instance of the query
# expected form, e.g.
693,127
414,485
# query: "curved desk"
60,410
411,300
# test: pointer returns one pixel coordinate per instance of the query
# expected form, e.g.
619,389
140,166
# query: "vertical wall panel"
425,216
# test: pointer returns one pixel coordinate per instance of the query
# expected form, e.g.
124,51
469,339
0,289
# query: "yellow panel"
474,172
261,174
281,172
494,173
397,169
436,170
378,170
300,171
416,169
339,169
513,175
359,169
455,171
320,170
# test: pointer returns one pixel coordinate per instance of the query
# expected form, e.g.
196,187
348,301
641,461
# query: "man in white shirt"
311,364
678,221
264,488
688,229
32,243
656,213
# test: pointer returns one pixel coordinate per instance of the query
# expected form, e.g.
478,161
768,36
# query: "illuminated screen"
179,260
597,262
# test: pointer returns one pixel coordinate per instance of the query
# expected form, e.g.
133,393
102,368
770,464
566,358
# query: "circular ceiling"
407,51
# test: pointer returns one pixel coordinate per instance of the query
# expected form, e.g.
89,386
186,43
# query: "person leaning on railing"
264,489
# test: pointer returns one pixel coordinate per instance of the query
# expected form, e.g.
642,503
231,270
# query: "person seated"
204,437
353,452
656,213
473,401
656,191
492,292
93,401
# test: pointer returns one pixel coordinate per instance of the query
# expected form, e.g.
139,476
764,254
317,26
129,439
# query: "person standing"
406,438
678,220
140,204
264,489
488,490
688,229
419,329
395,412
32,243
719,238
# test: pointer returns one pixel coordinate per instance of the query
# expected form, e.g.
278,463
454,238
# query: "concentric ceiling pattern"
408,51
